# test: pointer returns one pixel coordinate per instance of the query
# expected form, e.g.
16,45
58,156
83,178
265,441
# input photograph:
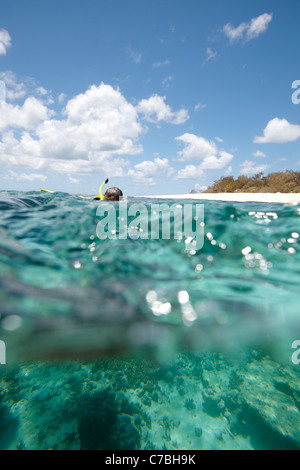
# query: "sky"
159,96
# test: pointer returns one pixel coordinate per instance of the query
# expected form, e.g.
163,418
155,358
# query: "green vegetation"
283,182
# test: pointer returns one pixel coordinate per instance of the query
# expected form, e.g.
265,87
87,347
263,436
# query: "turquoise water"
146,344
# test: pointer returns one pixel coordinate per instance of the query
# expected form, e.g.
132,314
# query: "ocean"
158,343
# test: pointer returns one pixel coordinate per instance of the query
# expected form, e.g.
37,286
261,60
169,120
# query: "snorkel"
101,197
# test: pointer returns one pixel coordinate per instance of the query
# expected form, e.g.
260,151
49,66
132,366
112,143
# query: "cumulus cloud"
12,175
96,132
210,163
228,170
18,88
200,188
214,163
248,30
154,109
278,131
251,168
5,41
96,125
198,148
145,172
259,154
14,89
190,172
27,116
100,120
61,98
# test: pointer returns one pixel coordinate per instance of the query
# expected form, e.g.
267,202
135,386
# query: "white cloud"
279,131
197,148
235,34
166,81
214,163
61,98
190,172
218,139
42,91
199,107
251,168
210,54
27,116
12,175
161,64
249,30
103,119
73,180
259,25
135,57
5,41
18,88
96,132
156,110
259,154
14,89
200,188
96,126
145,172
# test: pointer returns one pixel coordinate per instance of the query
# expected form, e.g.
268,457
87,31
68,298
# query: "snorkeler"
112,194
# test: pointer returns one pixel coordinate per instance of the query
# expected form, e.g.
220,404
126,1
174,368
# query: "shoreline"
283,198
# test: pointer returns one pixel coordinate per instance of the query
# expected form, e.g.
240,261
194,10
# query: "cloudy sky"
161,96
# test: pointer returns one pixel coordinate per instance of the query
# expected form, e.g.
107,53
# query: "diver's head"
113,194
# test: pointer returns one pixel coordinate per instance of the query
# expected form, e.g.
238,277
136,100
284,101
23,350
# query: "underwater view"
148,344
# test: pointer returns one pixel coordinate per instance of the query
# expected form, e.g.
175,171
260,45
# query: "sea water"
135,343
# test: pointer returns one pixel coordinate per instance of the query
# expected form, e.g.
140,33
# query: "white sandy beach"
284,198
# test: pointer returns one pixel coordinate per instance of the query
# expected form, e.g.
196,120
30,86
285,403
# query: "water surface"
166,346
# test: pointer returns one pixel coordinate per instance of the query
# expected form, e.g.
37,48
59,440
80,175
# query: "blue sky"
161,96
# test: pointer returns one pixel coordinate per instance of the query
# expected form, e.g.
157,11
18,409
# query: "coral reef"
201,401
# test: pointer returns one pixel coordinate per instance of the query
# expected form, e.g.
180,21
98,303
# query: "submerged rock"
103,424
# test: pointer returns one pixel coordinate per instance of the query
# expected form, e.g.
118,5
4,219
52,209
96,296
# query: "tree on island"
283,182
